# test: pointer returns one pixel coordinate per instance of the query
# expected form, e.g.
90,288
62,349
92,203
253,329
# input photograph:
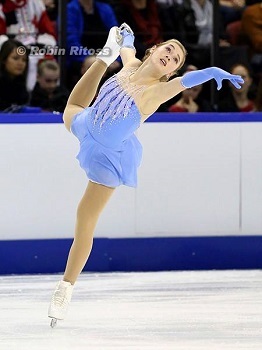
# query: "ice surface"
218,310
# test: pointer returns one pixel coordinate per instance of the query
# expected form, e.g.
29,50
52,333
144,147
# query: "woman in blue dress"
109,151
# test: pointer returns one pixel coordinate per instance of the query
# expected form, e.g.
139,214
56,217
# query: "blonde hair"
47,63
149,52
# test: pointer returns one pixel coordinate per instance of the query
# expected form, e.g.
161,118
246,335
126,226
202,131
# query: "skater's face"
167,58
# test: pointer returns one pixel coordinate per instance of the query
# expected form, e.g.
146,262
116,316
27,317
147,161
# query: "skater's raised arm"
128,51
128,56
170,89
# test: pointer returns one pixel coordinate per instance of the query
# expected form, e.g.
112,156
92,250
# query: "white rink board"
251,140
195,179
190,178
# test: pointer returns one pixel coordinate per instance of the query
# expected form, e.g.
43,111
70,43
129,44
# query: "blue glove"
128,37
191,79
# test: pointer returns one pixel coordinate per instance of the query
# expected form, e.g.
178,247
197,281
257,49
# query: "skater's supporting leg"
90,207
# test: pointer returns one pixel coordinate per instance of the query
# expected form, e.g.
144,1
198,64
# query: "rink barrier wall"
53,118
137,254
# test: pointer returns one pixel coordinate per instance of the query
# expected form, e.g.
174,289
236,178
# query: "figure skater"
109,152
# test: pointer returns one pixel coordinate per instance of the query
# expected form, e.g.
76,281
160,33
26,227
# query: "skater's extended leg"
85,90
90,207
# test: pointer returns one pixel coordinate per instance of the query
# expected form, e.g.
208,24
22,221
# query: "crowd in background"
33,80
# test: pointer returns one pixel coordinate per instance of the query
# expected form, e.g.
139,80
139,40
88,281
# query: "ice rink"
220,310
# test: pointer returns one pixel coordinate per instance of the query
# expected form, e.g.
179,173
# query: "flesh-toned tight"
95,197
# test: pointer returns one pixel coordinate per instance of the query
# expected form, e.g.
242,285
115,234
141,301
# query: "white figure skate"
126,26
60,302
111,50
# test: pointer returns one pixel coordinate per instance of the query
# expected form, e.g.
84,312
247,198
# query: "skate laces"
60,297
119,37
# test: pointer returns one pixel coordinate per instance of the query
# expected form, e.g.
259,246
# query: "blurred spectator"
231,10
142,16
258,100
88,23
202,18
51,9
49,4
252,28
13,72
203,10
173,23
252,25
146,21
28,22
194,23
190,100
47,93
237,100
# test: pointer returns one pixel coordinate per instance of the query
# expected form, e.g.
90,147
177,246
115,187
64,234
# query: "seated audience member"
203,10
51,9
238,100
13,73
258,100
231,10
174,19
252,28
252,25
47,93
88,22
195,23
190,101
190,20
143,18
28,22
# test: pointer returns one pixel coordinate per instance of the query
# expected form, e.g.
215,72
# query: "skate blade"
53,322
126,26
119,38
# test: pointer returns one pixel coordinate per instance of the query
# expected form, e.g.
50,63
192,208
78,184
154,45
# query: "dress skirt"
109,166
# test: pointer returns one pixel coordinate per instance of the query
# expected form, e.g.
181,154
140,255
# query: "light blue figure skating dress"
110,153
